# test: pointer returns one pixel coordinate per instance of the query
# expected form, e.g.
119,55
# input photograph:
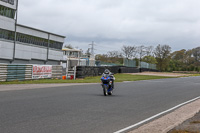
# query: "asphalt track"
84,109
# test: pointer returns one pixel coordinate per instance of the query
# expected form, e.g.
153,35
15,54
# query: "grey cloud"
115,22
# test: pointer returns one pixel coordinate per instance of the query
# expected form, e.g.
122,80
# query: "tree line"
161,55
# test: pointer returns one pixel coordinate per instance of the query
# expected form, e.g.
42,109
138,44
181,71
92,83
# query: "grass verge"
96,79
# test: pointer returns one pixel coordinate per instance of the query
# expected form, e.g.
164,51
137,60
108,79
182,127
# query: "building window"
7,12
10,35
38,41
8,1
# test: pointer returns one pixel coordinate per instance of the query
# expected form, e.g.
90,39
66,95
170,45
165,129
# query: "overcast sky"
114,23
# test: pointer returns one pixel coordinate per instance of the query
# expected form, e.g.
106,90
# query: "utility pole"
92,57
92,48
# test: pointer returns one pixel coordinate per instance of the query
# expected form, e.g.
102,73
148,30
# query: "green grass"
96,79
195,74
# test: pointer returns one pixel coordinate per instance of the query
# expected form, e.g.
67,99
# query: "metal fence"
129,62
148,65
101,63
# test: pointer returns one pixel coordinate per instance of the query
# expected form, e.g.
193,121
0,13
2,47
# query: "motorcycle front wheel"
105,90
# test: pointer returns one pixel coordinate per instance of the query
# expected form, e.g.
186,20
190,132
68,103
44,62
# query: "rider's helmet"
106,71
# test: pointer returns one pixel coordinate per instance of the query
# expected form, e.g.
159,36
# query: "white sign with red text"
42,71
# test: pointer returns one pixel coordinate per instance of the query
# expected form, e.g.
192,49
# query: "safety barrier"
24,72
57,72
3,72
129,70
85,71
148,70
15,72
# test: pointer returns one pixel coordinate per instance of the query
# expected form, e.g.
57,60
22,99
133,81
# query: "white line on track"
155,116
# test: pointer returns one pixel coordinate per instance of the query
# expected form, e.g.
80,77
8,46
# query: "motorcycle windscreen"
105,75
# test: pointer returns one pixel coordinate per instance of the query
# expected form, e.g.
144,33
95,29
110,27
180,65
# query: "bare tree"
68,46
142,51
129,51
116,54
149,50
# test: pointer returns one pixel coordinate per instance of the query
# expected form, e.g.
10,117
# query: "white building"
21,44
75,58
72,57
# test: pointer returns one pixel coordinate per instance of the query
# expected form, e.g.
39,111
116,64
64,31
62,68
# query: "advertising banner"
42,71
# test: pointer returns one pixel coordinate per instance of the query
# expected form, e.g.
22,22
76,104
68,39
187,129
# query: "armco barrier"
24,72
3,72
15,72
57,72
19,72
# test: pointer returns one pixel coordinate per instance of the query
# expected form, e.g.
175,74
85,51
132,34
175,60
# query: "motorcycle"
107,84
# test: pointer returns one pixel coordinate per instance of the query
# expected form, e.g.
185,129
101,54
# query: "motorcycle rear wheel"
110,93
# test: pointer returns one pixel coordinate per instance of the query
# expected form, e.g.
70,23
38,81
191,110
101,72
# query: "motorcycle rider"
111,75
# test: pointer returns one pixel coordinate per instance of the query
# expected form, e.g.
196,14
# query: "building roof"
73,50
41,30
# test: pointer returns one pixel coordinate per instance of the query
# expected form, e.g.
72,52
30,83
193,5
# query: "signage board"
42,71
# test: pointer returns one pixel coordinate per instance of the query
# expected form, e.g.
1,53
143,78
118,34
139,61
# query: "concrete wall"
39,33
56,38
31,32
33,61
20,61
28,52
51,62
38,53
7,23
55,54
24,51
4,61
6,49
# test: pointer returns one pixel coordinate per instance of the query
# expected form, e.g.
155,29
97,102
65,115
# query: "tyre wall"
86,71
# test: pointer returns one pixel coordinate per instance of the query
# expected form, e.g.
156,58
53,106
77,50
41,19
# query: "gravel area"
191,125
161,74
